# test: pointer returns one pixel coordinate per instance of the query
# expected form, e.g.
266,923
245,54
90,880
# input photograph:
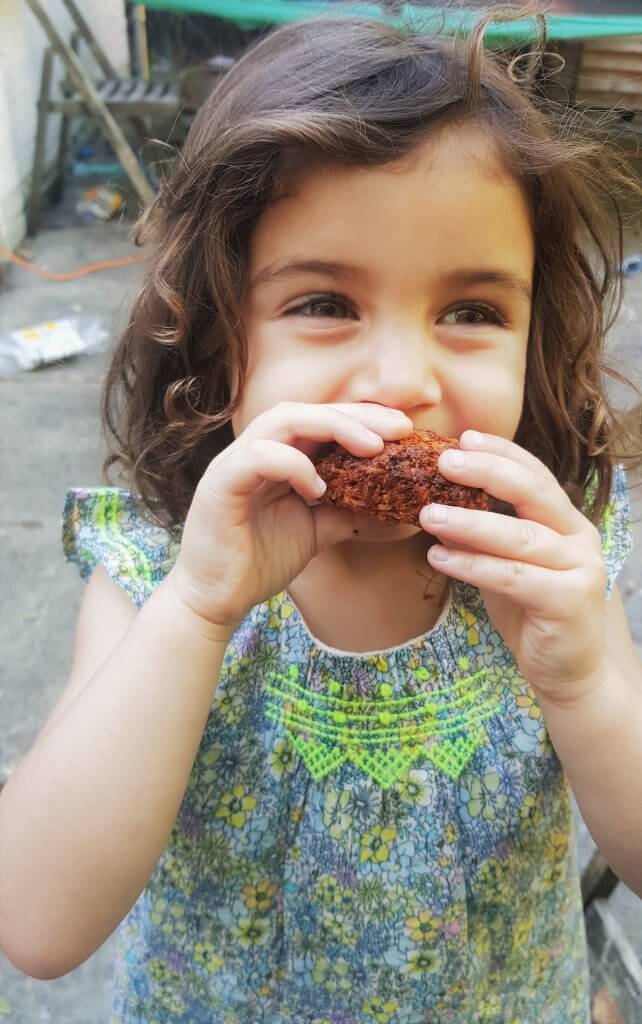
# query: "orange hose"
70,275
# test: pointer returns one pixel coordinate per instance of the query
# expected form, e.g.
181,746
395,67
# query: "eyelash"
490,312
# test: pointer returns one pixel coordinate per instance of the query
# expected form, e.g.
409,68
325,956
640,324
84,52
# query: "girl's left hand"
541,575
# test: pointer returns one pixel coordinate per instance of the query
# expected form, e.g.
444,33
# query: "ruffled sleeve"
106,526
615,528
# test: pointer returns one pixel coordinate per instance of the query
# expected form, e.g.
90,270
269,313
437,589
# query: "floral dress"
376,838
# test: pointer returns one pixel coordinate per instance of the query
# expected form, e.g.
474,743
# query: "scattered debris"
99,203
631,265
49,342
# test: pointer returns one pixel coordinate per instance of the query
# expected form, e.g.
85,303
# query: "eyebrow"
505,279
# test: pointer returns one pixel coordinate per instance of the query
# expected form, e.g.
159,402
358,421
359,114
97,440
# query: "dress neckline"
337,652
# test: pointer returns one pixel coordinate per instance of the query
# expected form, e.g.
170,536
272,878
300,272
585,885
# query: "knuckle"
513,573
259,448
528,536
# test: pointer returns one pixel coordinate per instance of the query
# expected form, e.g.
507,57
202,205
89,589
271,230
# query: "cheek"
491,398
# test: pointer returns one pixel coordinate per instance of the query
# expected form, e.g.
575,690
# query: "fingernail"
320,486
438,554
438,514
456,459
475,438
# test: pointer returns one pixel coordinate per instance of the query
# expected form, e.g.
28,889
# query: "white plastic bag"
49,342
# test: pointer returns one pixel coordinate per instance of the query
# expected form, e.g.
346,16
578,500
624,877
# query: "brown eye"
323,307
472,316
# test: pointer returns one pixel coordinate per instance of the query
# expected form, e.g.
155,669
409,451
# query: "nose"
401,369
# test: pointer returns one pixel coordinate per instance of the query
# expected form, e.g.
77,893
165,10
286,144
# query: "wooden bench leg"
37,173
598,880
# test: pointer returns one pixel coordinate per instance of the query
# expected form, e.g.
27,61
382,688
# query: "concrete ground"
49,423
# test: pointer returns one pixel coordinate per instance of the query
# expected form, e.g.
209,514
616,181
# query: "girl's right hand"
249,530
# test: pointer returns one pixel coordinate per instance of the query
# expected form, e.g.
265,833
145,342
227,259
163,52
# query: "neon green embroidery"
107,516
384,736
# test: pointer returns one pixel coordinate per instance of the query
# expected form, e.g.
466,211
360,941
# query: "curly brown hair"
295,96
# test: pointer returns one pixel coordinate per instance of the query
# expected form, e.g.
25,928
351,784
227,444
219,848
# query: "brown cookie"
394,485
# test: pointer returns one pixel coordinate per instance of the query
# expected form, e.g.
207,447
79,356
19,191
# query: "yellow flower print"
530,812
336,818
160,971
205,954
554,875
282,758
296,815
169,916
281,612
259,897
424,927
379,1010
486,799
232,707
234,807
527,699
489,1008
493,880
170,1001
327,891
472,631
333,975
414,787
252,931
374,844
539,965
450,834
421,961
522,931
557,845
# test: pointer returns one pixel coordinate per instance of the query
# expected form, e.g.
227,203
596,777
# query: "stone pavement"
51,418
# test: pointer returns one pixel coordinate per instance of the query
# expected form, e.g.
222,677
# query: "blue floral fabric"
377,838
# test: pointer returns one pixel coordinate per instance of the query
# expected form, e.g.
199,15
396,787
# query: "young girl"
316,764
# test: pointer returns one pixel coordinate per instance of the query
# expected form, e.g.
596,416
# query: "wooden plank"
41,137
607,62
110,128
98,53
610,101
619,86
629,44
598,879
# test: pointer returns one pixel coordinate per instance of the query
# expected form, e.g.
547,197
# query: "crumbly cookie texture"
394,485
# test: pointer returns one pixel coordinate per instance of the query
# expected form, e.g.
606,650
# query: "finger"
533,495
359,428
249,464
496,534
550,592
473,440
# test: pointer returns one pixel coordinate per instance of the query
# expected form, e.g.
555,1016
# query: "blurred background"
94,100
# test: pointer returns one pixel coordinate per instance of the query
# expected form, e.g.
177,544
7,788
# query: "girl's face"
407,285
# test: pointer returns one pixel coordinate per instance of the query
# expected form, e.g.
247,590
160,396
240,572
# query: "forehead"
452,197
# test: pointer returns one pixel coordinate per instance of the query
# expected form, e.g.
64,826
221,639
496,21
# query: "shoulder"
110,527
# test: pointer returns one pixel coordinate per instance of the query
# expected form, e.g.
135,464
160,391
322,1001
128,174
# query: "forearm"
87,813
599,741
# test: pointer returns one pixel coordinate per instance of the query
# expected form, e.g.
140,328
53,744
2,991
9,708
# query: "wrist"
594,694
179,614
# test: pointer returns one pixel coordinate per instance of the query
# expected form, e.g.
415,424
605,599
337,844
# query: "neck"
360,596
